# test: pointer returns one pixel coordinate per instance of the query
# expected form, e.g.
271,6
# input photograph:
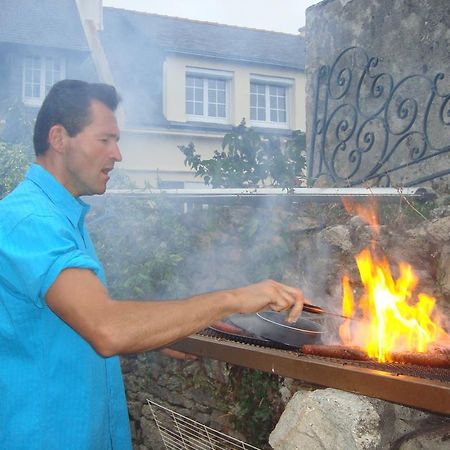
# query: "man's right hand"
272,295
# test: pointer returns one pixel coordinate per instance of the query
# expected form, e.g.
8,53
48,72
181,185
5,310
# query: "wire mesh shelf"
179,432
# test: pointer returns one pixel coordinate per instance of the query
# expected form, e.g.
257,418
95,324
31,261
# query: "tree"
14,161
249,160
16,123
16,154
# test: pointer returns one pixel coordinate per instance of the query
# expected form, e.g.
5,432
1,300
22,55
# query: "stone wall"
194,389
411,39
412,36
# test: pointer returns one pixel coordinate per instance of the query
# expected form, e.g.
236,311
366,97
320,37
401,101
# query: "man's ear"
57,138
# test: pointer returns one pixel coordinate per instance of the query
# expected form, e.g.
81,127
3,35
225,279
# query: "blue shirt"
56,392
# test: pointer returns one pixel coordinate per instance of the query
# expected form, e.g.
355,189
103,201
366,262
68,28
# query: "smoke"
152,248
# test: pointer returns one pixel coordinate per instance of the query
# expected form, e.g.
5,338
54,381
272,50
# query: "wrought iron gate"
370,129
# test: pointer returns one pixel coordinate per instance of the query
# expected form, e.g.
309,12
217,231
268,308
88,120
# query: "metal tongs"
314,309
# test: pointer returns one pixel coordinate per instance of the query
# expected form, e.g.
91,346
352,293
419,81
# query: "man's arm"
127,326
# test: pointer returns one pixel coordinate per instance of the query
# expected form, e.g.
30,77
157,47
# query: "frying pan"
273,326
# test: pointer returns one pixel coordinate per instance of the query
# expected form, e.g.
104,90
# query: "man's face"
92,153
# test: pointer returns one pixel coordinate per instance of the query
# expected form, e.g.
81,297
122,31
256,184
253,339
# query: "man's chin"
97,191
101,190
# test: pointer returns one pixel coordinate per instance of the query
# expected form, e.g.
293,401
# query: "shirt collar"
72,207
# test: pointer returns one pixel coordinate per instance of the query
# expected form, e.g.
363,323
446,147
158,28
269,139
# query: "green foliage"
153,249
16,124
248,160
14,162
258,408
15,144
143,246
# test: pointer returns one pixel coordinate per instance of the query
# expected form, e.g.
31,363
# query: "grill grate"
179,432
251,340
429,373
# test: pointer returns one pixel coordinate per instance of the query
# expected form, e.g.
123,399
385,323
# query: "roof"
46,23
136,45
173,34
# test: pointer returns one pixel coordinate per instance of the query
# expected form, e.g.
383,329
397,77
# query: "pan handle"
312,308
319,310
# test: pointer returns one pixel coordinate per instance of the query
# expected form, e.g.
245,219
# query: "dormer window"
207,95
40,73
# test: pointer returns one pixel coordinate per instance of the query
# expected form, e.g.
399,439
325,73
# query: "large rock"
327,419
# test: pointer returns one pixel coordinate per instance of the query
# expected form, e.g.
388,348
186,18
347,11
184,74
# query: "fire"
390,317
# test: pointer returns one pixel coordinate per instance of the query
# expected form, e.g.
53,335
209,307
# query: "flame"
390,316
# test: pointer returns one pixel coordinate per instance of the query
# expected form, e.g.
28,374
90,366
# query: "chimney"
91,14
91,11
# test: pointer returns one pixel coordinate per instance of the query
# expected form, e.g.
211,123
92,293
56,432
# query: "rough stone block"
327,419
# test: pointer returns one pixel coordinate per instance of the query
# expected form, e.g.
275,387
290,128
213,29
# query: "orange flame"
390,318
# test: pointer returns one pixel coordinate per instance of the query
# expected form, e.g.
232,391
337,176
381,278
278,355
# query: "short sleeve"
37,250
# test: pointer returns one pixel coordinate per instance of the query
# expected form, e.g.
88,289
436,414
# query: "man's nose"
117,155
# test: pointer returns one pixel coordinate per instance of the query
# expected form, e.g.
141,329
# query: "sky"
286,16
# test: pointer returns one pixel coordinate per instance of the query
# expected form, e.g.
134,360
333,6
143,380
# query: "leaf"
249,160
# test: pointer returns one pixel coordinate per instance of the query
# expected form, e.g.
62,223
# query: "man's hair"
68,104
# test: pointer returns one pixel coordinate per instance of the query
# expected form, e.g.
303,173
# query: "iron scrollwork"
368,128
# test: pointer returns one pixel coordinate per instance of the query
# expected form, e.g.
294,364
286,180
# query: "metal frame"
179,432
367,127
255,195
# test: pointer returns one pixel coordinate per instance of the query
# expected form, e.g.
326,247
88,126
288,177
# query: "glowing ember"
391,318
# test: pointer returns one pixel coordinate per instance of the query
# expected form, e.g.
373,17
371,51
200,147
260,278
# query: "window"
207,95
39,75
269,102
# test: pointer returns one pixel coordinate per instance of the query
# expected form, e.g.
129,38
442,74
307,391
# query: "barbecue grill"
419,387
415,386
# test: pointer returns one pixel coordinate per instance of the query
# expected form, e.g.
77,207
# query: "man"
60,332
